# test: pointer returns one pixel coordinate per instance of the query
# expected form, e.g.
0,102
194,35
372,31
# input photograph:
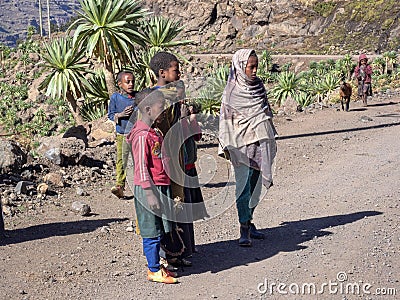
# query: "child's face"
363,61
172,73
127,83
251,67
157,111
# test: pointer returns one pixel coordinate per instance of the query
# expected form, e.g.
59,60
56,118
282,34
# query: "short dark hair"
122,73
162,60
141,95
148,97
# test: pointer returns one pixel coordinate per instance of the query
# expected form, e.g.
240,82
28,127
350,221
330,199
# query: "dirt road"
331,222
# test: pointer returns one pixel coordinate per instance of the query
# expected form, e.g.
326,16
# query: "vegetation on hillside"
357,25
75,70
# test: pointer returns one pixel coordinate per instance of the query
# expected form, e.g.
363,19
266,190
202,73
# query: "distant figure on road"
363,74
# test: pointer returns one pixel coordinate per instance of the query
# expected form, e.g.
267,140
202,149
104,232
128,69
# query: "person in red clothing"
363,74
153,204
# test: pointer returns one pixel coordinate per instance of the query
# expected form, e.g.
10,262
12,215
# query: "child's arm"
141,152
368,70
194,126
114,114
112,109
356,72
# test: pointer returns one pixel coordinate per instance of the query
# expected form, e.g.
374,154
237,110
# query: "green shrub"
324,8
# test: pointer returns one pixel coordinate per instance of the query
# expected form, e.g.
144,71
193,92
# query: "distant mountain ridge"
222,26
16,16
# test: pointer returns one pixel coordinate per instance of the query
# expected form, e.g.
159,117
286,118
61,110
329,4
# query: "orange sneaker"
118,191
169,272
160,276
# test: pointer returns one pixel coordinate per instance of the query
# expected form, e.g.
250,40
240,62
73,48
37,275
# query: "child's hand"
193,113
184,110
152,200
126,112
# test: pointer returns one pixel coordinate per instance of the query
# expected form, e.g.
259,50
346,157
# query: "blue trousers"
248,191
151,249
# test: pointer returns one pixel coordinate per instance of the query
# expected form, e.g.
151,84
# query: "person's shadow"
43,231
287,237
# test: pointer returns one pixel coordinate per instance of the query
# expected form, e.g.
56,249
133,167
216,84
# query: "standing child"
363,74
165,66
247,135
151,183
192,134
120,109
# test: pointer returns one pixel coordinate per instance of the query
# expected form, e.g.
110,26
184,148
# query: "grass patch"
324,8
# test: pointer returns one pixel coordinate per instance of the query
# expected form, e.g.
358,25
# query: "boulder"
12,157
23,187
102,129
82,208
80,132
62,151
54,178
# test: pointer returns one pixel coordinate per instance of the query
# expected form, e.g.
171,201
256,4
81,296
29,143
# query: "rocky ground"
331,222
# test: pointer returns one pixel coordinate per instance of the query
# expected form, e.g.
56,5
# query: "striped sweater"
148,157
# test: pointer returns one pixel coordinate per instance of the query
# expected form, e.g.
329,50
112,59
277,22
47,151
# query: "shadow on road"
43,231
383,104
287,237
336,131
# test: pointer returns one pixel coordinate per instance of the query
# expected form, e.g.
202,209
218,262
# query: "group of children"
160,130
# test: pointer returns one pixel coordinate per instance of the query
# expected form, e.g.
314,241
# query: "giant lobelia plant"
66,80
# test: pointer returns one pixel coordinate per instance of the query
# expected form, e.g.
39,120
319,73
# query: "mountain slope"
223,26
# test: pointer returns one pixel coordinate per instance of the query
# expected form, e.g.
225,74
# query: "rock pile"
60,164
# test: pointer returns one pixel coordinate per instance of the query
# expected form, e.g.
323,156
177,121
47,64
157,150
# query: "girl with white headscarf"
247,138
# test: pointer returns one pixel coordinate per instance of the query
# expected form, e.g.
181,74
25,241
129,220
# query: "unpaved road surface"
331,222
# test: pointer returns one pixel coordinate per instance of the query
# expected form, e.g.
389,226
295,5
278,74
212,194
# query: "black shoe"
255,234
244,240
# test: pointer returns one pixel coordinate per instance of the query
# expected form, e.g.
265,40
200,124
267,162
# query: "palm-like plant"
264,63
304,99
390,59
96,100
211,95
379,64
348,64
67,67
330,63
160,32
109,31
329,83
159,35
288,85
144,76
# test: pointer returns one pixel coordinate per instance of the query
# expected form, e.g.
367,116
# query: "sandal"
180,262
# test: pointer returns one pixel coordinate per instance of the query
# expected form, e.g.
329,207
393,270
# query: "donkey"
345,94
